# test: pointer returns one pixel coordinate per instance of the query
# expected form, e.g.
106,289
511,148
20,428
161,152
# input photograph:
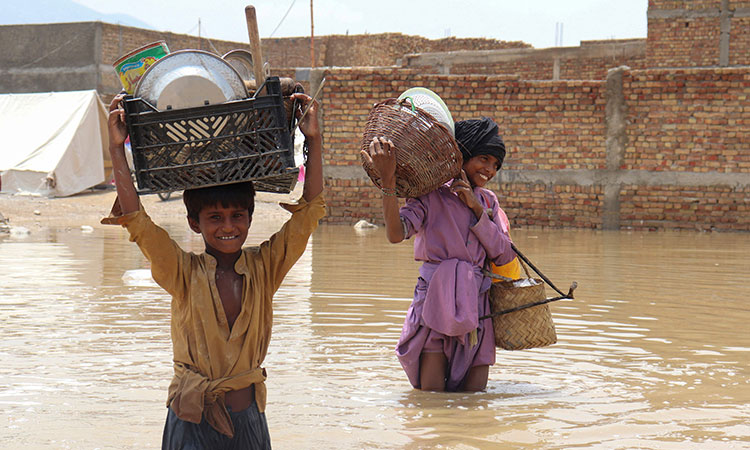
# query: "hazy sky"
532,21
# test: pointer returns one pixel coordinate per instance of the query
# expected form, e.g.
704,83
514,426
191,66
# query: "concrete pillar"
725,17
316,78
556,68
615,118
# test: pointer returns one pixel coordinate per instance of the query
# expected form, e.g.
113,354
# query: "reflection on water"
652,354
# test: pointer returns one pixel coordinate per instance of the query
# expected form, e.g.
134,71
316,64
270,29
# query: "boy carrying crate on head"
221,299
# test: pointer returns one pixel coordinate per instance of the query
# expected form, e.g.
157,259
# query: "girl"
443,345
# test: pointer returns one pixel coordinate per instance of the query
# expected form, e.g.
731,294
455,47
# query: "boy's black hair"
240,195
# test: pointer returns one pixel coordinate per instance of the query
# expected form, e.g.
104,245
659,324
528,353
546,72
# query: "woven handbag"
427,155
524,328
520,315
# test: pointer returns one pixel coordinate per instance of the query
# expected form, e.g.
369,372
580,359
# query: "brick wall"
590,61
705,208
46,58
619,52
688,120
683,122
688,33
548,126
560,205
527,68
683,161
668,39
366,49
683,4
739,41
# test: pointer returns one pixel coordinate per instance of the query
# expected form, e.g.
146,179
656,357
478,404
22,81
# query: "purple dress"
452,293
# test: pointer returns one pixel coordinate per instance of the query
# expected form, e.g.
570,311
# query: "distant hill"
57,11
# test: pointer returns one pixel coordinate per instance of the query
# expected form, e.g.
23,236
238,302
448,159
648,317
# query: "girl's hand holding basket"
381,154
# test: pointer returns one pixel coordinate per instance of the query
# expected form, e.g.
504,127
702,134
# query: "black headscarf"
480,137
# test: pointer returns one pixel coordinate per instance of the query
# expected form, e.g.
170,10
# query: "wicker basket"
527,328
427,155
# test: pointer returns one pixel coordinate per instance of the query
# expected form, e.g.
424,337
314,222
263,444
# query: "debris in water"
363,224
19,231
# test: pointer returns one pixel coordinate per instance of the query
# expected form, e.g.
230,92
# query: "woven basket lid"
431,103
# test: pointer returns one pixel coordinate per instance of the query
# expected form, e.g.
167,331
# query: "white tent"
52,143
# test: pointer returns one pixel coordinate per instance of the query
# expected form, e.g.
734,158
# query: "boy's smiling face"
224,229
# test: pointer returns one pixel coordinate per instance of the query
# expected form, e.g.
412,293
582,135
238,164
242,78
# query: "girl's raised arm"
382,155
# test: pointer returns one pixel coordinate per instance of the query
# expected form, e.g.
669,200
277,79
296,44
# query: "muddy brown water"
653,353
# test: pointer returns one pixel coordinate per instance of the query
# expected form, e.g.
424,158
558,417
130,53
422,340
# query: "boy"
221,299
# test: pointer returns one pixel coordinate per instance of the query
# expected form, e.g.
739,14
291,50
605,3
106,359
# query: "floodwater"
654,353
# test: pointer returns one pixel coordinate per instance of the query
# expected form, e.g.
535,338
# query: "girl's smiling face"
223,229
480,169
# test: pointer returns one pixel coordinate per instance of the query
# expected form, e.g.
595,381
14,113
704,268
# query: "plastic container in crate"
244,140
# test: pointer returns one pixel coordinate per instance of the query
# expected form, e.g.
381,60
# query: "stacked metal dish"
190,78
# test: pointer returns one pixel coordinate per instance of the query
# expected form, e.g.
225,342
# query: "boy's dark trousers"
250,433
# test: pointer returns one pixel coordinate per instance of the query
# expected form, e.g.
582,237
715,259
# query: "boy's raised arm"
126,193
310,127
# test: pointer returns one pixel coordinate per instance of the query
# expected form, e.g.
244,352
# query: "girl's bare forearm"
394,231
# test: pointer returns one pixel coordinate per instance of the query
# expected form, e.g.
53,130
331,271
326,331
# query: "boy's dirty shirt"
201,339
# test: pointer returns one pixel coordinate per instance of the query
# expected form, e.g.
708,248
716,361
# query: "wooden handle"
287,85
252,32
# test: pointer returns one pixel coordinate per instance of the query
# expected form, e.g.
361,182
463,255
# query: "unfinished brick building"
624,134
655,139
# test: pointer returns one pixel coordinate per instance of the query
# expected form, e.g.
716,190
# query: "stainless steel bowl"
189,78
242,61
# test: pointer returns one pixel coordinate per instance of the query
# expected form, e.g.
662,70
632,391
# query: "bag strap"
523,258
520,307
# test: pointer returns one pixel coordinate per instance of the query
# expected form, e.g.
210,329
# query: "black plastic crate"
244,140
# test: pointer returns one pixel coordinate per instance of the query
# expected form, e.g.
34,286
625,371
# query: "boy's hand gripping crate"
244,140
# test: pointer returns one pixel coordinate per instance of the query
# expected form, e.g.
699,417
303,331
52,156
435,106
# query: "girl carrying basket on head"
458,227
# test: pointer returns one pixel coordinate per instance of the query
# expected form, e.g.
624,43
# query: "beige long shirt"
209,360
